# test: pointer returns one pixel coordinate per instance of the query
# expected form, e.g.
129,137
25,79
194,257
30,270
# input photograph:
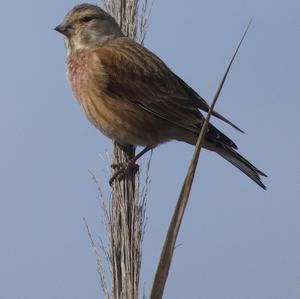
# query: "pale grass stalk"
131,15
124,215
123,251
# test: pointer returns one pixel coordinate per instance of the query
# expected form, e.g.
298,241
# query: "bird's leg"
123,168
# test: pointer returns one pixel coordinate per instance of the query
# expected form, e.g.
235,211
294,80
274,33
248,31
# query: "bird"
131,95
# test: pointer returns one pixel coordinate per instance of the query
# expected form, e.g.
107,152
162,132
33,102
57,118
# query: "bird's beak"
64,28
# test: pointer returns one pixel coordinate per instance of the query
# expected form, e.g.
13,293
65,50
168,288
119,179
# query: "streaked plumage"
130,95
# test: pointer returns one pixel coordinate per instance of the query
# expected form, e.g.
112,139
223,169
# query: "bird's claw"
117,165
122,170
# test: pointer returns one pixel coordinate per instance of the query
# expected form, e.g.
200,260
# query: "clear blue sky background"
237,241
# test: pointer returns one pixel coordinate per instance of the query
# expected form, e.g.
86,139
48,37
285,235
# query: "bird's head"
88,26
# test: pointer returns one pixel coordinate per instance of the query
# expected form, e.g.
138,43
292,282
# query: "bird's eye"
86,19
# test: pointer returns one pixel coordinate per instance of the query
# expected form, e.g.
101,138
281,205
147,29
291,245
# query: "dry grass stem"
123,251
170,241
132,15
123,215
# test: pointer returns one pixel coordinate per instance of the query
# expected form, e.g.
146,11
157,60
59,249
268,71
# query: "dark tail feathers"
242,164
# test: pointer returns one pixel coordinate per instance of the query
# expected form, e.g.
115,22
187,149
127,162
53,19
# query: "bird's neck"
75,45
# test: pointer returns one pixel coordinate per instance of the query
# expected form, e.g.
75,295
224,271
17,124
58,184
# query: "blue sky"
237,241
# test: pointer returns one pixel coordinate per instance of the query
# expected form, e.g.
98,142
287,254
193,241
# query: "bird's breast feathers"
116,119
88,81
82,72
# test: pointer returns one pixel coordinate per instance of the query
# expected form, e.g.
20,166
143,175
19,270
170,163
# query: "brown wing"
202,105
155,70
137,75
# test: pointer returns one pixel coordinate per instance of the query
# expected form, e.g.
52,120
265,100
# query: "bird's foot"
122,169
